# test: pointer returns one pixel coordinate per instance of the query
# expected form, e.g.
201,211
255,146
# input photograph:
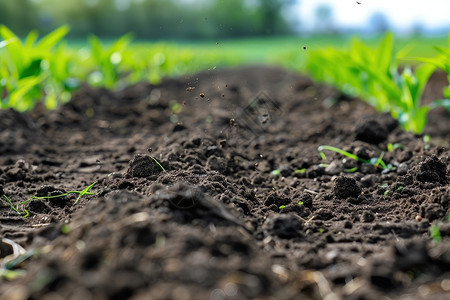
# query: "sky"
401,14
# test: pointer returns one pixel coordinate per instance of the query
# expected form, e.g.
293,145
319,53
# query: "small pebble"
402,169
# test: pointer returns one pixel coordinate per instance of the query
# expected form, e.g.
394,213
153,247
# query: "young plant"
373,75
108,61
26,69
377,162
25,213
435,233
442,61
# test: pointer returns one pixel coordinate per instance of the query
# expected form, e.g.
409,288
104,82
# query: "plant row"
49,70
374,75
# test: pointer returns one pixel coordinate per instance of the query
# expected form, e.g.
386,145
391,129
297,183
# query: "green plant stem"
342,152
25,213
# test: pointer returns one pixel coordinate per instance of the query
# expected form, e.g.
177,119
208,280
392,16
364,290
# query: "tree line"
150,19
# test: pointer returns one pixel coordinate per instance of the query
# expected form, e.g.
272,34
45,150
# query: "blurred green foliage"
149,19
373,74
49,70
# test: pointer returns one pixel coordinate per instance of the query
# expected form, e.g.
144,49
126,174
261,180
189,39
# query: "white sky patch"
402,14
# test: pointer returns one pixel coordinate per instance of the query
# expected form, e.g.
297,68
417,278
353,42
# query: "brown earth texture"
211,186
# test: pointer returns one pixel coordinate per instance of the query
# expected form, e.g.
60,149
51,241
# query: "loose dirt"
210,186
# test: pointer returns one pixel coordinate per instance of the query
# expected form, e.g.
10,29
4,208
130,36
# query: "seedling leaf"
84,192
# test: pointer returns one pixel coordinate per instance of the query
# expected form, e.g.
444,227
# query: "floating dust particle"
358,2
214,67
226,85
184,102
217,43
190,88
150,150
223,95
202,95
304,47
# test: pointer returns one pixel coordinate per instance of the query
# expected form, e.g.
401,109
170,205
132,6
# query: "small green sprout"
159,165
300,203
426,139
436,233
276,172
321,230
7,269
282,207
25,213
377,162
300,171
351,170
391,147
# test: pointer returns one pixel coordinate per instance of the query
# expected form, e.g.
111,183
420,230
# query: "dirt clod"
432,170
284,226
143,165
346,187
372,132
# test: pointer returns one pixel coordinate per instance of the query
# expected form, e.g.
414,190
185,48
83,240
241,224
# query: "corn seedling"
373,75
18,207
26,69
109,62
377,162
442,61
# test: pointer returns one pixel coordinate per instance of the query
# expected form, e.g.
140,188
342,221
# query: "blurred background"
221,19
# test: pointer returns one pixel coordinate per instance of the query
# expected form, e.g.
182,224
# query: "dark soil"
186,205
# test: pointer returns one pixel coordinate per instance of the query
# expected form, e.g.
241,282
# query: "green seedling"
276,172
426,139
300,203
109,61
442,61
436,233
377,162
157,163
282,207
391,147
373,75
8,271
25,213
351,170
300,171
27,67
